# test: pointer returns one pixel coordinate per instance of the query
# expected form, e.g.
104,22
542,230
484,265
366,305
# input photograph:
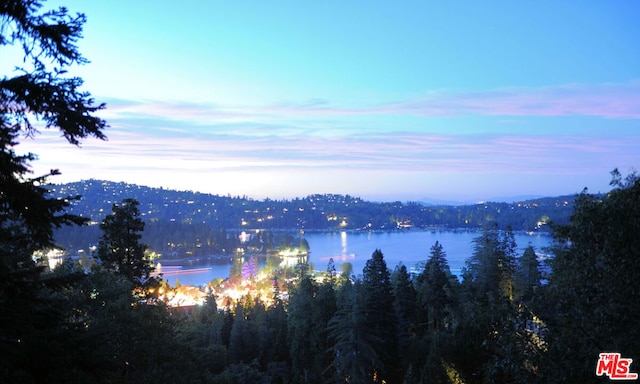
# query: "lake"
407,247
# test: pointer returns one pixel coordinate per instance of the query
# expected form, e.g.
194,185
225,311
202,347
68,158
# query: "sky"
406,100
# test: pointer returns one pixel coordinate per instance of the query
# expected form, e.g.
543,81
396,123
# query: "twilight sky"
403,100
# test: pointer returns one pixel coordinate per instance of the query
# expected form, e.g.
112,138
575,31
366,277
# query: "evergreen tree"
379,317
276,338
303,347
437,298
346,271
481,274
33,343
435,289
405,307
507,263
120,249
528,276
39,92
311,307
324,309
238,343
490,270
354,356
489,330
248,331
592,303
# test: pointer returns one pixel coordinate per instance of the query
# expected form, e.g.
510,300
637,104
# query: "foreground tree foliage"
33,329
310,308
593,295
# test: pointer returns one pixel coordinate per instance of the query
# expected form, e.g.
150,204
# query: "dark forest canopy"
500,324
169,211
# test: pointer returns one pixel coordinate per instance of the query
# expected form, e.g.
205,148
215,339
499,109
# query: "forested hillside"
200,222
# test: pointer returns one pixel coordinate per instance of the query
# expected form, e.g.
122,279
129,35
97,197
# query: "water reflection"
407,247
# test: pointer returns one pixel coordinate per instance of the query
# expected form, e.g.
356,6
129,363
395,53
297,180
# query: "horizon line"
425,200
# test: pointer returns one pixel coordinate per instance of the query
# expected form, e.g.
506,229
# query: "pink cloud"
614,100
251,163
409,152
602,100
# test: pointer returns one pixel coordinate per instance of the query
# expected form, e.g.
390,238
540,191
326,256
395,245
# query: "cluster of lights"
227,293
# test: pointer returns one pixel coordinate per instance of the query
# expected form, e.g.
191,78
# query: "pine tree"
528,276
490,270
507,263
437,299
405,307
435,290
379,317
592,301
489,332
311,307
33,345
354,356
301,329
276,340
120,249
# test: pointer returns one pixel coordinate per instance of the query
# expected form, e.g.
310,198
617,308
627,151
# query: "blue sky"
385,100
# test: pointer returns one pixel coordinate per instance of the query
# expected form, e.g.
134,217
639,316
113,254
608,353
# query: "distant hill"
201,222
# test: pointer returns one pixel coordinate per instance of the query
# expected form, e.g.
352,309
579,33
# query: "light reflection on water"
407,247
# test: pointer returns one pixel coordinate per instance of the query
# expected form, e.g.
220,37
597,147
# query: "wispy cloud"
313,144
413,152
615,100
299,164
603,100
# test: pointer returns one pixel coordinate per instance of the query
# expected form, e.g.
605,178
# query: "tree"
37,94
434,286
594,290
275,352
250,269
354,356
247,330
311,307
488,333
489,271
120,249
404,304
379,316
346,270
507,263
436,290
528,276
302,328
40,93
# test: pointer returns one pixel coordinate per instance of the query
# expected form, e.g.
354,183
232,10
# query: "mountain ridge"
189,218
425,200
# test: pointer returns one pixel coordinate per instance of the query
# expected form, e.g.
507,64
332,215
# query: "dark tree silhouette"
36,94
120,248
594,288
379,316
39,92
528,276
435,289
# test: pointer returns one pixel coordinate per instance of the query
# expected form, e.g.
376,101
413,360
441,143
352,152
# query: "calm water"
408,248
